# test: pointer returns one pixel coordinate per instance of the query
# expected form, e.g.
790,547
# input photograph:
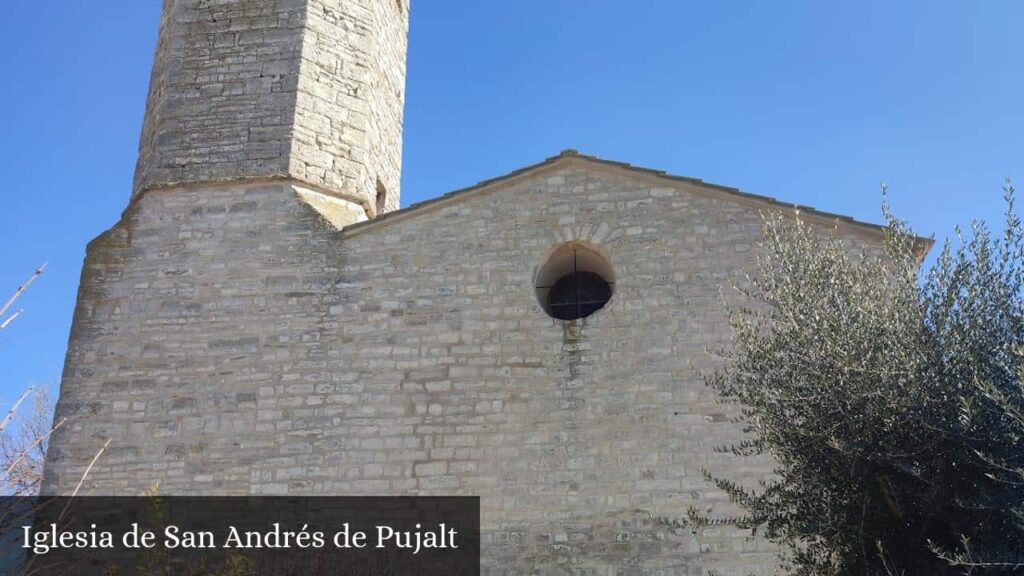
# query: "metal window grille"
577,294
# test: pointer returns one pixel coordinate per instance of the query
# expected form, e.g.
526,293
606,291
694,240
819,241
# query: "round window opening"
575,282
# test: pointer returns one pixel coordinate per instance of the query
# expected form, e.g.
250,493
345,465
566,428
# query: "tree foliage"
891,398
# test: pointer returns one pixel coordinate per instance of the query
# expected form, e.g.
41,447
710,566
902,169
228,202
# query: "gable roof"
570,155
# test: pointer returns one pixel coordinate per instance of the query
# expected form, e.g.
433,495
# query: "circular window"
575,282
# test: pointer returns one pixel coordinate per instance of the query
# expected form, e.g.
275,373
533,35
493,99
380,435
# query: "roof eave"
569,155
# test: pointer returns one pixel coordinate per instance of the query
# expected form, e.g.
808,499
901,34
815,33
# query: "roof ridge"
571,154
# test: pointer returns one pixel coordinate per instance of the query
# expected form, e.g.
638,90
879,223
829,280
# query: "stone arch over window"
574,281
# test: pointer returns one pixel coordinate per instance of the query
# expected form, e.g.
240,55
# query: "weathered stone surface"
236,333
307,89
269,353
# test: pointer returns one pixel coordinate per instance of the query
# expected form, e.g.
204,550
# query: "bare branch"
10,413
17,294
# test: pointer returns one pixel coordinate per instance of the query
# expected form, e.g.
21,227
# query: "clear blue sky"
810,102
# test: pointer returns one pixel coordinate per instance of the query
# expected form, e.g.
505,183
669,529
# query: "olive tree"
890,396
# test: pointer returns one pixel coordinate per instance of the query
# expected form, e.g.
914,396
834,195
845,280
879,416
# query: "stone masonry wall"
308,89
348,129
194,302
230,341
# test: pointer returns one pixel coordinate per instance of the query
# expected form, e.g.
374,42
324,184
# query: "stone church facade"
264,319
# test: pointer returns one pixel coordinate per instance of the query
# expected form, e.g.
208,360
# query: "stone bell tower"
306,90
270,125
